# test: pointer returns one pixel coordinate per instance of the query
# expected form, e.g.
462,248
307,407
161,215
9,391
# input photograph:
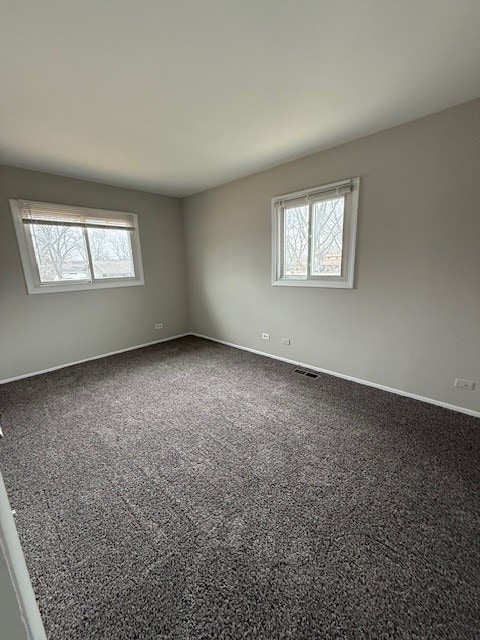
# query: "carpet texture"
193,491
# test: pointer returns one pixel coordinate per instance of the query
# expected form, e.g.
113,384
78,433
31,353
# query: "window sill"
336,284
61,288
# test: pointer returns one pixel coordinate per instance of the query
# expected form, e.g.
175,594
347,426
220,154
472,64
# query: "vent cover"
308,374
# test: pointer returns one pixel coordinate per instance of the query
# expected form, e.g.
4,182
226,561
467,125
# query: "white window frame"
30,266
326,191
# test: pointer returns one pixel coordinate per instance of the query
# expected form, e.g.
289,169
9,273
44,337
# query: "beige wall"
46,330
413,320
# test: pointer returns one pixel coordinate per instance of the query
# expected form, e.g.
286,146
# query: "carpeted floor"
193,491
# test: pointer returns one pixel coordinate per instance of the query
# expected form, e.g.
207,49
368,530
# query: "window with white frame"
314,233
66,248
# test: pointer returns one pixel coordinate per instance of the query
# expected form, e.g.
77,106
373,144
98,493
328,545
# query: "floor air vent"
305,373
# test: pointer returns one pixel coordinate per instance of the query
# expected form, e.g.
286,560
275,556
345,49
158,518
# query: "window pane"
296,241
327,237
60,252
111,252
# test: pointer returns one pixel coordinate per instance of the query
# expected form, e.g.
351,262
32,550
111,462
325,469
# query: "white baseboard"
399,392
103,355
368,383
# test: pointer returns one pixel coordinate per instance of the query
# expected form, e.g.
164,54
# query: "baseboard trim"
102,355
368,383
376,385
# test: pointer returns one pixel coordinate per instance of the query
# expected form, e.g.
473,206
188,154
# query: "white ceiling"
175,96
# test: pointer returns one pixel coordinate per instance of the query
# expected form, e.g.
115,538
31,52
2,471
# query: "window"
67,248
314,235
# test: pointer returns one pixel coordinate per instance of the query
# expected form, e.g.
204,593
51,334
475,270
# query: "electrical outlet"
469,385
265,336
285,340
159,325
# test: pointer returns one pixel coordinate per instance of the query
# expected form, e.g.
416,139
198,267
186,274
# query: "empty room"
239,320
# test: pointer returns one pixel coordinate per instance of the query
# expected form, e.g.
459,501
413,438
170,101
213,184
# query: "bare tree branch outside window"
60,252
111,253
62,255
328,237
296,240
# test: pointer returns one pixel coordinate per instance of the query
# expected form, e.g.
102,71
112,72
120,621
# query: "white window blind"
315,196
54,214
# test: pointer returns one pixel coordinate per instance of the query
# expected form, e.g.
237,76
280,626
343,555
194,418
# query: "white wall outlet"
285,340
265,336
159,325
469,385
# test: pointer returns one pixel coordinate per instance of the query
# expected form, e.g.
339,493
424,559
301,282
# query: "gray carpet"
192,491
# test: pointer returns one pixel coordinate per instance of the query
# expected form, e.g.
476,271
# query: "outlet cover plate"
469,385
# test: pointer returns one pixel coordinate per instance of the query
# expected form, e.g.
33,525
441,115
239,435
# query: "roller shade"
66,216
315,196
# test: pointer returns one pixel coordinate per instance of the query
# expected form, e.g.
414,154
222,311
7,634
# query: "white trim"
102,355
17,568
88,286
326,284
368,383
